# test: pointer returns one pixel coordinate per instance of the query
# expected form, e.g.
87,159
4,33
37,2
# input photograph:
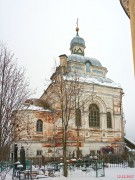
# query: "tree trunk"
65,169
78,149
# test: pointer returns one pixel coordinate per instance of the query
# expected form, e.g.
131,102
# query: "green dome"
77,40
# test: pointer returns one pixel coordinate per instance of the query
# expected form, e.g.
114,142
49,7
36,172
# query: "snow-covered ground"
111,173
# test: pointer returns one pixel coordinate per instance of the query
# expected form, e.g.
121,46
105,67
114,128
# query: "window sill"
39,132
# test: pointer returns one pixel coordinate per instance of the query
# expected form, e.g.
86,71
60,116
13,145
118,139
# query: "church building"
81,98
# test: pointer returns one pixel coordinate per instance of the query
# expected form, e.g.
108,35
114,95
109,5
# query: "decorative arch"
94,115
39,126
100,103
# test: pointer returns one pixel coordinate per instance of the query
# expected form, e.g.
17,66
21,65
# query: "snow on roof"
93,79
130,140
84,59
127,148
132,150
34,108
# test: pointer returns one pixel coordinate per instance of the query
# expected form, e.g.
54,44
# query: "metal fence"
5,165
78,169
115,160
93,166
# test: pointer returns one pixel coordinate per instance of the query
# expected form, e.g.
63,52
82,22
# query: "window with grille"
109,120
78,117
39,152
94,116
39,125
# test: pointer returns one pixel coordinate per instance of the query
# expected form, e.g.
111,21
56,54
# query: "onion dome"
77,40
77,44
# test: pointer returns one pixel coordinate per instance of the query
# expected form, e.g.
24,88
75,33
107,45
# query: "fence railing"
5,165
92,165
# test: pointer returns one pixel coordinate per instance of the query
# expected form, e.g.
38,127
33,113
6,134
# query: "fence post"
2,166
96,170
103,168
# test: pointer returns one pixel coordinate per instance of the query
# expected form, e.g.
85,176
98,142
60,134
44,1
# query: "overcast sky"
38,31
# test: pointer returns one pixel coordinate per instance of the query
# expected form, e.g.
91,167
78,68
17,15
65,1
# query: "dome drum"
83,59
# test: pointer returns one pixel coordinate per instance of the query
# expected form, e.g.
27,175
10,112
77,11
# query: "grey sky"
38,31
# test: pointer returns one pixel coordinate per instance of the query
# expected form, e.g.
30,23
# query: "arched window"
78,117
94,116
39,125
87,66
109,120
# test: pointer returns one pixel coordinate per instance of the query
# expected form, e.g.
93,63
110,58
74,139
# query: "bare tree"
69,92
13,92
